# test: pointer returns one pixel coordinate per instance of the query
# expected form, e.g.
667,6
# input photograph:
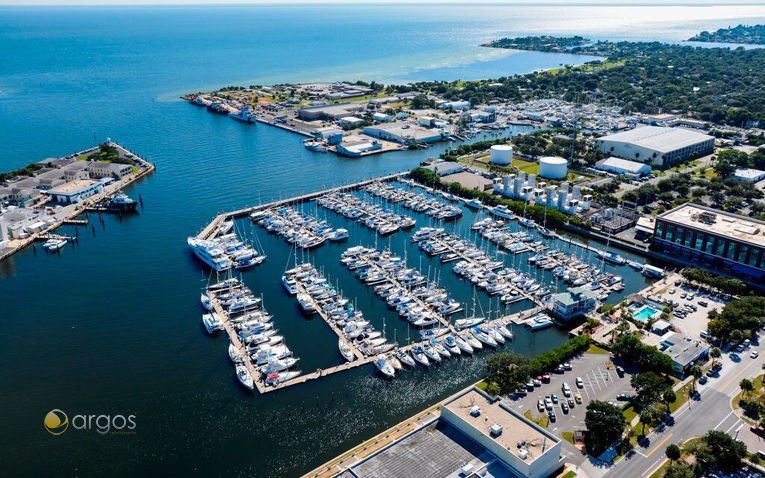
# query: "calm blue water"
111,325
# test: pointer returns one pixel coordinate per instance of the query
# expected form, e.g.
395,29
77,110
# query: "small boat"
431,353
205,301
339,235
225,284
472,341
483,336
121,202
345,350
280,365
419,356
290,285
405,358
243,374
233,353
502,329
212,322
501,211
451,345
433,333
306,303
463,344
474,203
384,367
466,323
440,348
394,361
635,265
277,378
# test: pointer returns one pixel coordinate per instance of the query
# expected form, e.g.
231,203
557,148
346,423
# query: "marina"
515,264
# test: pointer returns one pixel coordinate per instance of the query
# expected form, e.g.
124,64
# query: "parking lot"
598,382
690,322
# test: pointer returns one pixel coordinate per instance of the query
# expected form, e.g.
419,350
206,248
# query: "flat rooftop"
73,187
436,450
469,180
658,138
514,428
718,222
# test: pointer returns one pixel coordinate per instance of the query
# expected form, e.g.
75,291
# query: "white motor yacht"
243,374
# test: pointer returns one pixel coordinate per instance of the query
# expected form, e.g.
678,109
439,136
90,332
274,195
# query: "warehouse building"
623,166
661,147
749,175
75,191
405,134
329,112
717,240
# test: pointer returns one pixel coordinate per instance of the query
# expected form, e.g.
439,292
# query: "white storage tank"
501,154
553,167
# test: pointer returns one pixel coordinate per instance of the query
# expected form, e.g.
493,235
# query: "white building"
75,191
455,105
622,166
576,302
662,147
749,175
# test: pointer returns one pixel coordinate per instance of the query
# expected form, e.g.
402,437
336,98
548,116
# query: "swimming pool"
645,313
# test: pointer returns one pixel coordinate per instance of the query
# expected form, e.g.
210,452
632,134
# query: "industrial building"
405,134
355,149
714,239
684,351
444,168
623,166
329,112
661,147
553,167
476,435
527,189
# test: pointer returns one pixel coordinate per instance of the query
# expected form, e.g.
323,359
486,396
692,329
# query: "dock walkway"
212,226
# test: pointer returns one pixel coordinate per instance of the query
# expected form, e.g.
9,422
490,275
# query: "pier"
210,229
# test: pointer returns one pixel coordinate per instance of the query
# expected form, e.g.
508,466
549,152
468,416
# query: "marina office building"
713,239
476,435
662,147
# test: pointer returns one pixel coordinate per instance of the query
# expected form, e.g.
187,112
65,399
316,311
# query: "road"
711,410
629,186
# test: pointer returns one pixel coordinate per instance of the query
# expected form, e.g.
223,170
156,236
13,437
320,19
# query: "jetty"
210,229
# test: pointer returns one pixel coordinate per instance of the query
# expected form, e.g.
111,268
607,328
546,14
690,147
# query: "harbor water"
111,325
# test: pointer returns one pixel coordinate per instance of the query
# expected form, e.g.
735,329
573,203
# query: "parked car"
578,397
541,405
571,402
567,366
551,415
564,407
624,397
579,382
619,371
566,389
754,354
703,379
537,382
546,378
554,398
559,369
548,403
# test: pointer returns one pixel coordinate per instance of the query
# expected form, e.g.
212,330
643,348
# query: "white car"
754,354
579,382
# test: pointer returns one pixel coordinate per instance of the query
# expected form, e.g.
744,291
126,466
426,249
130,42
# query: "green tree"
605,424
715,353
673,453
668,397
720,451
648,388
645,419
678,472
746,386
696,372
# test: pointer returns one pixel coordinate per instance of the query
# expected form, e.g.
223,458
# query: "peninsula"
744,34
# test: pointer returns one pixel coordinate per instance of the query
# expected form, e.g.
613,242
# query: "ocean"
111,326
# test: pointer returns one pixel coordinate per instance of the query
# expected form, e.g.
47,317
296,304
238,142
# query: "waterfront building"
623,166
355,149
662,147
350,121
329,112
75,191
714,239
576,302
444,168
749,175
476,435
100,169
405,134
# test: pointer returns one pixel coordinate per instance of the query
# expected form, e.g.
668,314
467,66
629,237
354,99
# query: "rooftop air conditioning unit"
523,453
475,410
496,430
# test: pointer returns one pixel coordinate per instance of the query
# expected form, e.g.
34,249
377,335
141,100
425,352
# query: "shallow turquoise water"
111,325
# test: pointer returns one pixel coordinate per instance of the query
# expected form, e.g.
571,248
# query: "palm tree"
673,453
696,372
747,386
715,353
645,418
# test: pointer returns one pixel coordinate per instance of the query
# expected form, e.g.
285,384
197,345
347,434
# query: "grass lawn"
570,474
683,394
568,436
482,385
542,422
629,414
527,167
594,349
659,473
757,390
